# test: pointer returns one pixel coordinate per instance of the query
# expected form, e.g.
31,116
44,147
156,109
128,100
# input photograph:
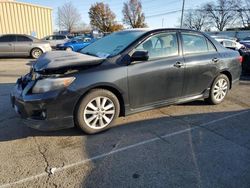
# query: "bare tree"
195,19
244,12
68,17
222,13
133,15
102,18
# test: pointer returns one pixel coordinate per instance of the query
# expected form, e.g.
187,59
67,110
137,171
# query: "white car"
228,43
54,40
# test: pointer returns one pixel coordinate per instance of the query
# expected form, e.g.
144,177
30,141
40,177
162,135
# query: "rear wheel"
219,89
69,49
36,52
97,111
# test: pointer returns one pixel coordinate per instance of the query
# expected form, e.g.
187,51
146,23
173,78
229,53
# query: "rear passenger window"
195,44
160,45
59,37
22,39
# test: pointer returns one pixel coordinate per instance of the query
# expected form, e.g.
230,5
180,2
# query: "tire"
36,52
93,118
69,49
219,90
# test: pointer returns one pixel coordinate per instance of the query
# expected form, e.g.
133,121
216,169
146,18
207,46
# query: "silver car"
22,45
54,40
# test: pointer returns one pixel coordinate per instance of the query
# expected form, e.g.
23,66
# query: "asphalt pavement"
186,145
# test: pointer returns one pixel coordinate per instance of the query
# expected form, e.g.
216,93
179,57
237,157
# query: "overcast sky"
150,8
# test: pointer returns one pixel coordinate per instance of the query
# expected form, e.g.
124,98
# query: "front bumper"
46,111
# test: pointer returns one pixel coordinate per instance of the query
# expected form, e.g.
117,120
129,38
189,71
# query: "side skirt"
129,111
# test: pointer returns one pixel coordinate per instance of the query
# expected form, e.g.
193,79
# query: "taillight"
241,59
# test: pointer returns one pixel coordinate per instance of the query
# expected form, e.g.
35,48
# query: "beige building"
24,18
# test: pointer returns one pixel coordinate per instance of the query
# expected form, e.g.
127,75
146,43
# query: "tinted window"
160,45
194,44
7,38
23,39
60,37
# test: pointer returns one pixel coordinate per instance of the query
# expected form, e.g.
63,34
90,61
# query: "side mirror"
139,56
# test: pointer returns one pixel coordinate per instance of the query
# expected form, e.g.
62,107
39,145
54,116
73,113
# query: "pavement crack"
43,151
159,136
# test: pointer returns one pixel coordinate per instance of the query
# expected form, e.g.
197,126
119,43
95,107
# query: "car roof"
162,29
225,40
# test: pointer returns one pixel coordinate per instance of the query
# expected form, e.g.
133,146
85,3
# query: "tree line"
102,17
217,14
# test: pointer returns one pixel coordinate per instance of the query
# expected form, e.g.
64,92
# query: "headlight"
49,84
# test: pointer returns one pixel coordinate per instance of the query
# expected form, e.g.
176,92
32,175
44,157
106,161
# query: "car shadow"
186,160
12,128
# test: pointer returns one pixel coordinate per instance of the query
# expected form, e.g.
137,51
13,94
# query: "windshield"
112,44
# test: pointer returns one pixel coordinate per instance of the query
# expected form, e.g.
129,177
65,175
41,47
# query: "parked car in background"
242,48
22,45
246,40
76,44
239,35
54,40
247,45
232,44
223,37
123,73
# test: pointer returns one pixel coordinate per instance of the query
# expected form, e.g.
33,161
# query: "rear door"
60,39
201,59
23,45
7,45
158,79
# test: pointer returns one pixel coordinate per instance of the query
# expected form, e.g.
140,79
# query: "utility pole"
162,22
182,12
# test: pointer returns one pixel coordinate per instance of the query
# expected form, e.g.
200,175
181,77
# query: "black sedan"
124,73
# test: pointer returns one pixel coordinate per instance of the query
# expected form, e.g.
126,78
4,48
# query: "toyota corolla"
124,73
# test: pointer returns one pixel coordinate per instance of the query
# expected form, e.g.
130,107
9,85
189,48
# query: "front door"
161,77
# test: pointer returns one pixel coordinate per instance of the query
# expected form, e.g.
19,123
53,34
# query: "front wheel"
97,111
219,89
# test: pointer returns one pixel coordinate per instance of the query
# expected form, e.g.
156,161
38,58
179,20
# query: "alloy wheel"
36,53
220,89
99,112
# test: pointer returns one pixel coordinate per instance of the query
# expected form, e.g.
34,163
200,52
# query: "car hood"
63,59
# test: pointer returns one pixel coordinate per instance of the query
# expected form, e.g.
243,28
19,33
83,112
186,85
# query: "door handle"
215,59
178,64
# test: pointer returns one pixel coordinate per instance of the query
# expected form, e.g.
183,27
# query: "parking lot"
187,145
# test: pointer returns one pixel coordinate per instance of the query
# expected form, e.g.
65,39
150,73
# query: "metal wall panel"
24,18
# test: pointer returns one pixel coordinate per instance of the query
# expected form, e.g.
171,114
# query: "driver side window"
160,45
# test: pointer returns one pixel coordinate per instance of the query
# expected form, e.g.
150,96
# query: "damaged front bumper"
52,110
